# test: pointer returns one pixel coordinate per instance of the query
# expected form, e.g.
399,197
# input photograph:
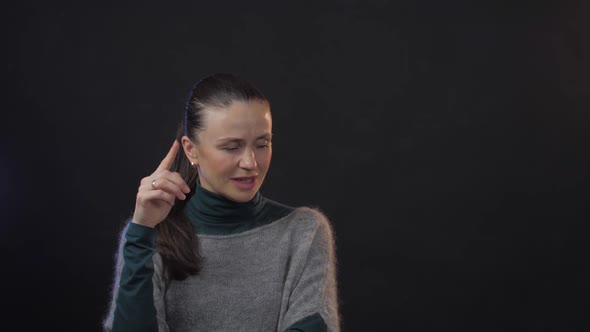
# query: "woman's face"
234,149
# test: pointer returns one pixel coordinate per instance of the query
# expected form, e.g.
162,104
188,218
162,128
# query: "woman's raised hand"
157,192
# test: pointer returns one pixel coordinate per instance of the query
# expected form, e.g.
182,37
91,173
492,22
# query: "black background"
447,141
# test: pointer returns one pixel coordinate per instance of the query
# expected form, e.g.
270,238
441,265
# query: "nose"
248,160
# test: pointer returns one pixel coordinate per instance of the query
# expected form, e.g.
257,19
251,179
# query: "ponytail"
176,240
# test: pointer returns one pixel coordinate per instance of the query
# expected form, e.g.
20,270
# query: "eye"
230,148
263,144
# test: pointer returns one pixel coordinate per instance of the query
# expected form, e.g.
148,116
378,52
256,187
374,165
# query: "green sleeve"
313,323
135,309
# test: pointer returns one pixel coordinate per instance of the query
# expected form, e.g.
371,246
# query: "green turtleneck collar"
214,214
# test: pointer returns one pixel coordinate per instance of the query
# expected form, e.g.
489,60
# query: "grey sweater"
268,278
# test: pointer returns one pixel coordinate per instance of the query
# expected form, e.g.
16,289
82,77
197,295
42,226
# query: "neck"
212,213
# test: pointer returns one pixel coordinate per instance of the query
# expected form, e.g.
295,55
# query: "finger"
155,195
167,162
179,181
174,177
163,183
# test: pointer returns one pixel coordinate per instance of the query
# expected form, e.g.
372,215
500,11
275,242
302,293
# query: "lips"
244,182
245,179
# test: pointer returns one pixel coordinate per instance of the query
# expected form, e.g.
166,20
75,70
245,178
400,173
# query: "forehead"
239,120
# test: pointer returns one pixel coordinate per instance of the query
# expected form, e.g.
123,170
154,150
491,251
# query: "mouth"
245,182
245,179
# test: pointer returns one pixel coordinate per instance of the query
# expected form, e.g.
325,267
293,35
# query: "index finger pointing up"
169,159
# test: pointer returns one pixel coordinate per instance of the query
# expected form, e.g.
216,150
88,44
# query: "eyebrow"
266,136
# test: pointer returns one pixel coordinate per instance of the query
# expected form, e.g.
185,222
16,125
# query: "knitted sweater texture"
274,277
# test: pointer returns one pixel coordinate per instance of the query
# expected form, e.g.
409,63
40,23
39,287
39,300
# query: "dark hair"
176,239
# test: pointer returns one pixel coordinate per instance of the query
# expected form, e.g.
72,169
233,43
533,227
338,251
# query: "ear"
190,149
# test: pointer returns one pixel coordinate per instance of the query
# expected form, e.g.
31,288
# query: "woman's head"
226,139
227,134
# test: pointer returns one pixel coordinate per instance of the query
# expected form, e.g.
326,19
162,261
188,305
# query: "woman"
204,250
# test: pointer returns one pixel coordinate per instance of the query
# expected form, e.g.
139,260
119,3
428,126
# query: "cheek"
218,165
224,166
264,159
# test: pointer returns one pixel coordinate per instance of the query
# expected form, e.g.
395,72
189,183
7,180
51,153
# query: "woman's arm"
133,307
313,305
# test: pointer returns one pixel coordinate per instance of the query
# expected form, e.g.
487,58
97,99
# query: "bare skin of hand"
158,191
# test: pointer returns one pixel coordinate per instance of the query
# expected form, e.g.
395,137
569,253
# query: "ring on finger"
154,184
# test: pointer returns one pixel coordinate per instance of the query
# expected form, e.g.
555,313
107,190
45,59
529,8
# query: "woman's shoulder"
301,213
311,229
306,219
310,214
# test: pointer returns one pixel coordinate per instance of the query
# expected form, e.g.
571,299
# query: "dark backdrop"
447,141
